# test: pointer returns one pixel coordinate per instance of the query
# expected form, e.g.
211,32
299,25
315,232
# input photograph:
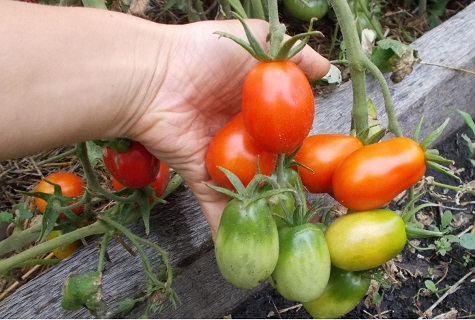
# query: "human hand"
200,91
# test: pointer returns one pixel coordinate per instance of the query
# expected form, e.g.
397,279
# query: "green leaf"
332,77
382,58
446,219
468,119
237,6
471,148
398,48
6,216
430,285
433,136
51,214
468,241
84,290
94,151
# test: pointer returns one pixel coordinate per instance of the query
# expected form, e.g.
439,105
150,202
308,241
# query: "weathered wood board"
179,227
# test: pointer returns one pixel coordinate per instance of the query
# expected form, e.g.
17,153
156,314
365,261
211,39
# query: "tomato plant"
64,251
134,168
232,148
277,106
158,186
303,268
374,174
71,186
365,240
306,10
322,153
345,289
247,243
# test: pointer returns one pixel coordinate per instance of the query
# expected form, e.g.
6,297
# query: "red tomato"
232,148
278,106
159,185
323,153
71,186
134,168
373,175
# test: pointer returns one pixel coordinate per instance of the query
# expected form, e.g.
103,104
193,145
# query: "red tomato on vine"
323,153
374,174
232,148
134,168
277,106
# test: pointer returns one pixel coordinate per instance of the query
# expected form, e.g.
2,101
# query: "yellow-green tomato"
303,268
247,243
366,239
64,251
344,291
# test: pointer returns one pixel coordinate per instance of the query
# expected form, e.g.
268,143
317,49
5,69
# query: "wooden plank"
181,229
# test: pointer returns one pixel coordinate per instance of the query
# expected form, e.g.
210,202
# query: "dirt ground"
408,296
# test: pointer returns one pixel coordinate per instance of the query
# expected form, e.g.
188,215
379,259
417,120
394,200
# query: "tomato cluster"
267,233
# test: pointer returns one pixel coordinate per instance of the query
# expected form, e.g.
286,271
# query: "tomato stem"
47,246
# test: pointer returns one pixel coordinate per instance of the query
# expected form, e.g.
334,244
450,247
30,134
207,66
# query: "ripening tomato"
64,251
71,186
247,243
278,106
323,153
303,268
159,185
345,289
374,174
232,148
306,10
364,240
134,168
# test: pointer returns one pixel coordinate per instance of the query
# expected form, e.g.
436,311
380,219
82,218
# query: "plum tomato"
278,106
303,268
71,186
64,251
159,185
134,168
345,289
323,153
364,240
247,243
373,175
232,148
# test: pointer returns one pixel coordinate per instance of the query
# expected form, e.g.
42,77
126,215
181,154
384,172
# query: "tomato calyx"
283,51
117,144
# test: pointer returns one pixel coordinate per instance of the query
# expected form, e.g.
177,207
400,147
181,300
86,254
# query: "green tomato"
344,291
247,243
366,239
305,10
303,268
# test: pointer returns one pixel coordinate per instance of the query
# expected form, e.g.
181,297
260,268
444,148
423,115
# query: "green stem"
47,246
275,28
280,170
369,16
450,187
393,124
20,239
356,63
102,253
258,9
72,151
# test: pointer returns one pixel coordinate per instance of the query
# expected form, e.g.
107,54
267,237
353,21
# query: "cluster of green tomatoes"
266,161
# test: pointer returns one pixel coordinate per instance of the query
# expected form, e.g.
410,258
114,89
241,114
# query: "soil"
407,296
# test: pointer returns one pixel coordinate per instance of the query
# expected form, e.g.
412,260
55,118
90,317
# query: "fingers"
312,63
